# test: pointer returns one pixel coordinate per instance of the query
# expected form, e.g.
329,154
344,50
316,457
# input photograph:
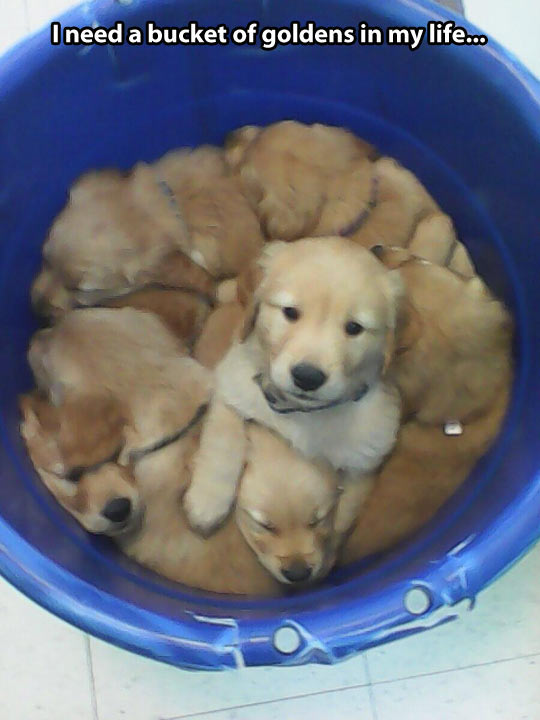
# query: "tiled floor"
486,665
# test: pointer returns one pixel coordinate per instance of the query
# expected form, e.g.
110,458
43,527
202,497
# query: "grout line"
369,686
453,670
91,677
26,15
372,701
266,702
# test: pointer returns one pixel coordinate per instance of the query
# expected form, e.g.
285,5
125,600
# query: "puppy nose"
117,510
308,377
297,572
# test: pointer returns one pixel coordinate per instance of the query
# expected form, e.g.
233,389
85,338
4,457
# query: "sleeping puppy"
75,449
181,222
452,348
313,180
424,470
139,506
124,354
308,365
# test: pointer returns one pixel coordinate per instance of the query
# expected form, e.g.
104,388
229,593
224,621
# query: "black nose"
297,572
308,377
117,510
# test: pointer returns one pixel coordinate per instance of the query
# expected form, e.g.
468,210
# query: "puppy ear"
408,329
395,291
250,284
237,142
30,425
250,320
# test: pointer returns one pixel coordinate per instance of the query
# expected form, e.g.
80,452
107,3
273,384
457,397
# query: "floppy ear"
408,329
395,291
29,405
237,142
250,283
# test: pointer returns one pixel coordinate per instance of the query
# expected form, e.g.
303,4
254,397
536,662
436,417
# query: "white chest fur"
354,436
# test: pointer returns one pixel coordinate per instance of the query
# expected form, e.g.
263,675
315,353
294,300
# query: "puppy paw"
206,510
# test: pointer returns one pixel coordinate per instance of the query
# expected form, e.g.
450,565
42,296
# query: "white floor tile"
141,689
42,11
352,704
503,691
504,624
13,23
516,25
43,663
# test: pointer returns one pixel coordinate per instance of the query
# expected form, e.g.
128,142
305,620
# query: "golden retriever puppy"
452,348
139,506
127,355
75,449
425,468
314,180
181,222
308,365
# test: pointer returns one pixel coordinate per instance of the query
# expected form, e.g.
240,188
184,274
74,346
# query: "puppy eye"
353,328
291,313
268,527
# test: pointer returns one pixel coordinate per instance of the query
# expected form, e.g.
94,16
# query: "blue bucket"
465,119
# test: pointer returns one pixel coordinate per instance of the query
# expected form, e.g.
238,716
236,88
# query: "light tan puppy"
124,354
313,180
452,350
75,449
181,222
308,366
424,470
140,507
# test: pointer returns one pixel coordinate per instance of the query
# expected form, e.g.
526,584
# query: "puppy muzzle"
284,403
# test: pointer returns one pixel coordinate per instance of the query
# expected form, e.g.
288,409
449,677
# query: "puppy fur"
183,313
314,180
126,354
424,470
320,278
283,537
452,349
426,467
120,232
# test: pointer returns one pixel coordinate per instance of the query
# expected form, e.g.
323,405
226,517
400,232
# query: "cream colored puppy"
181,222
127,355
315,180
308,365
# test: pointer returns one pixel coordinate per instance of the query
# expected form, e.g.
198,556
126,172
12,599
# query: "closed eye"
320,519
265,525
75,474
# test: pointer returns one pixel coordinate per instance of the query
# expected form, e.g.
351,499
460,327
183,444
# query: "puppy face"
285,509
74,449
325,315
